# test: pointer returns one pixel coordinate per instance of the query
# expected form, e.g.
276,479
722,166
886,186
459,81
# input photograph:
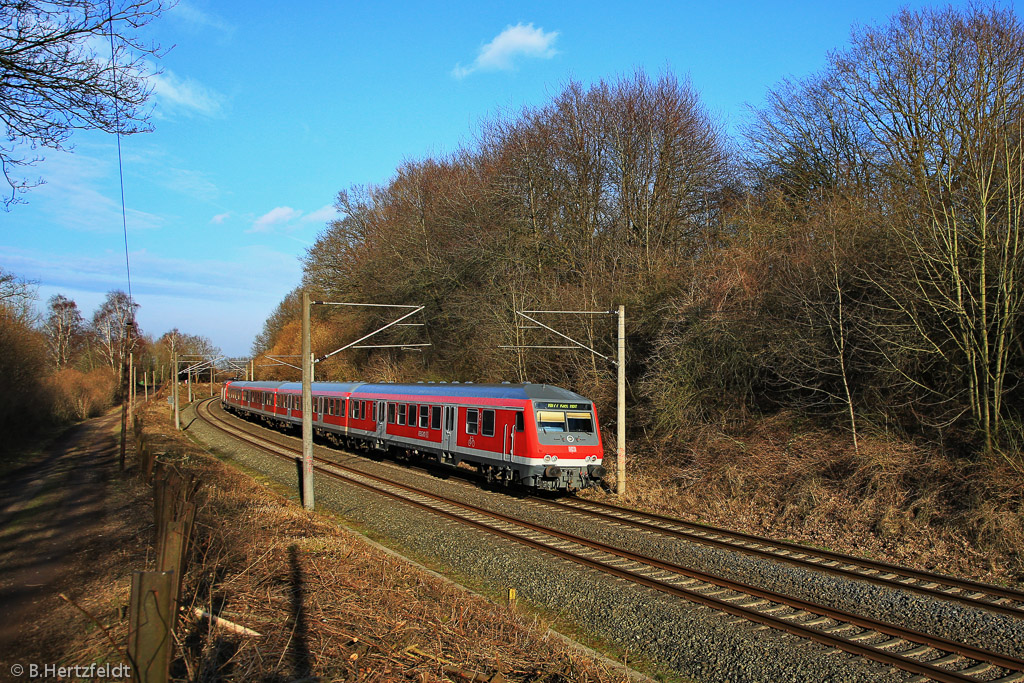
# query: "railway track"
926,656
983,596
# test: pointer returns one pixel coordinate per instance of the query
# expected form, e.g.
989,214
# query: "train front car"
566,440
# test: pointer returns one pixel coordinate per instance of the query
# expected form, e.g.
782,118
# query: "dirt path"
51,518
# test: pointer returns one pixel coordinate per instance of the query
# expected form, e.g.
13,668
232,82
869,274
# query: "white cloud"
185,95
279,216
216,292
196,18
521,40
322,215
80,193
220,218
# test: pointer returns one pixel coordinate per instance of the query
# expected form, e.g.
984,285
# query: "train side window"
488,425
519,422
391,413
373,410
412,414
472,416
363,410
353,409
401,413
424,416
435,417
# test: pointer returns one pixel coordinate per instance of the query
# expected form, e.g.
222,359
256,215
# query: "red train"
535,435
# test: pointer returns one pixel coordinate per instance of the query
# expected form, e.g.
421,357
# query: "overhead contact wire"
120,165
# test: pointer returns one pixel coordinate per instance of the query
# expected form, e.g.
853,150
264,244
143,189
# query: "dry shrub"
79,396
24,403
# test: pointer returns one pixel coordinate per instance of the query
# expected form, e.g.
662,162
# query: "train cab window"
424,416
519,422
401,413
472,417
391,413
580,422
487,429
551,420
435,417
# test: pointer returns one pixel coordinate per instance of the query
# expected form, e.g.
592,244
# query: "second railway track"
921,654
982,596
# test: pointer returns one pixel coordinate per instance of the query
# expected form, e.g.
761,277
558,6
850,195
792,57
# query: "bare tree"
67,65
63,328
17,296
926,112
113,325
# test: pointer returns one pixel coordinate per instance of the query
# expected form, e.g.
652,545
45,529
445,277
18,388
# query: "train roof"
471,390
466,390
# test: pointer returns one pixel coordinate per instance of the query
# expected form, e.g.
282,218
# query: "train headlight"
547,458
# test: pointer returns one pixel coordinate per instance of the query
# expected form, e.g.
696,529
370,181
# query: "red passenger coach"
535,435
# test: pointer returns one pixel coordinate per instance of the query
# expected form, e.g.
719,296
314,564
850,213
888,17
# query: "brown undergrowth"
893,501
327,605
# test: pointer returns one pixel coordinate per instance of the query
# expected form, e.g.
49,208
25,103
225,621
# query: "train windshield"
580,422
561,421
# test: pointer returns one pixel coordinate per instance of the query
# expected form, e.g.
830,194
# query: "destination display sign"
552,405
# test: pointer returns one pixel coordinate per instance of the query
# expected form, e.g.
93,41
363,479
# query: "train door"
448,436
382,419
511,431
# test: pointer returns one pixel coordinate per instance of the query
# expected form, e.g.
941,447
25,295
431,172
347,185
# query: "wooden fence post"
149,626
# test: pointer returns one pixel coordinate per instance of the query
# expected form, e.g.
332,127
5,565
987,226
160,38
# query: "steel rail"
850,644
761,546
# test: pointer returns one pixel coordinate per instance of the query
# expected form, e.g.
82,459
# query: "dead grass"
893,501
328,605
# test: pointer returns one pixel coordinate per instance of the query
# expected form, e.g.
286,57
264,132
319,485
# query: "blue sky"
264,111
